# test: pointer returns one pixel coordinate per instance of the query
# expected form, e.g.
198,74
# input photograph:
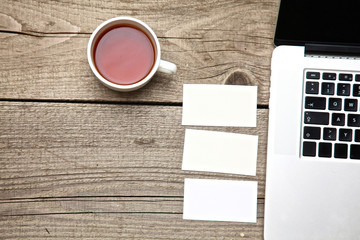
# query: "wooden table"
80,161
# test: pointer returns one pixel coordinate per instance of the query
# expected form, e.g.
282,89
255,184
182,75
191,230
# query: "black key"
309,149
354,151
315,103
350,105
354,120
357,135
357,77
338,119
345,77
335,104
329,134
316,118
313,75
343,89
311,132
340,150
312,88
329,76
356,90
325,150
327,88
345,135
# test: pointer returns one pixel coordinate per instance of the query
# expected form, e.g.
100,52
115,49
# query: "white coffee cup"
159,65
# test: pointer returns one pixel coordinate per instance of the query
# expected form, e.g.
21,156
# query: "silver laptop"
313,161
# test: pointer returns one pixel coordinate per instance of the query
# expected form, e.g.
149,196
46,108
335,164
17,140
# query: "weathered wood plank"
64,150
169,18
219,42
124,226
37,218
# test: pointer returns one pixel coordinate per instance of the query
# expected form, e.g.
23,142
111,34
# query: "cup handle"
167,67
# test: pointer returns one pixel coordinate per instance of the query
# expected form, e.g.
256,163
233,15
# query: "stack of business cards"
220,105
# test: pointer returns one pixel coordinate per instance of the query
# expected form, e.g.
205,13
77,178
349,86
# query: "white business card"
219,105
220,200
220,152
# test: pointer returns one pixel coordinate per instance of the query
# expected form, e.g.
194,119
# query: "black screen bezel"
296,23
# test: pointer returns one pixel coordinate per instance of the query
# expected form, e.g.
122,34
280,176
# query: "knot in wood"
238,78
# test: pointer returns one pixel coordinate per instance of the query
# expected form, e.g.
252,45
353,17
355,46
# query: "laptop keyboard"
331,116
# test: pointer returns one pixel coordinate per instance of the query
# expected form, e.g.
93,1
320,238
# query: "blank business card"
219,105
220,152
220,200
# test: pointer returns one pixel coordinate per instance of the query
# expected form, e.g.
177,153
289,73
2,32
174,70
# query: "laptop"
313,159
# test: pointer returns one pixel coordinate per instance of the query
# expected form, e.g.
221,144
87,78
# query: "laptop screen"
318,22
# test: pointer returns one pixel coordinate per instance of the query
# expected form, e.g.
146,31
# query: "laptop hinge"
332,50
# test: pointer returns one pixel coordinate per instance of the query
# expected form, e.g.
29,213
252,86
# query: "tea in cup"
124,54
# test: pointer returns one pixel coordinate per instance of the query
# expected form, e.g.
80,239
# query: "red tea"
124,55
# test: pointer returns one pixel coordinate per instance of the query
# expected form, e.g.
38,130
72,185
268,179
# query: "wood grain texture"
43,47
80,161
105,171
124,226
